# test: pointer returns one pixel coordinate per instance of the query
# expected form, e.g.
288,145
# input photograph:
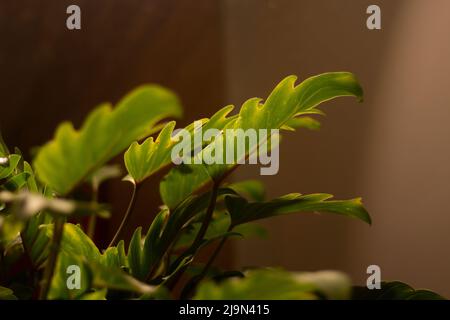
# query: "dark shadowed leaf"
242,211
395,290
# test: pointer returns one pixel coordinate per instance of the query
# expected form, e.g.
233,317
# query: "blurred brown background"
392,150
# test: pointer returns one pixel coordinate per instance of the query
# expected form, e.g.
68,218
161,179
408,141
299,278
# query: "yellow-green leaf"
73,155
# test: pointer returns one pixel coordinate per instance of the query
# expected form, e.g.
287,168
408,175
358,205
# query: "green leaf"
35,238
284,105
115,256
7,294
31,181
3,147
153,239
114,278
218,228
97,271
10,227
17,181
242,211
75,242
277,285
254,189
134,254
180,217
59,289
301,122
394,290
13,161
332,285
182,181
93,275
73,155
96,295
143,160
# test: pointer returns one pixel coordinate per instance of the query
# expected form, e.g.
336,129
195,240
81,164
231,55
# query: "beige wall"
393,150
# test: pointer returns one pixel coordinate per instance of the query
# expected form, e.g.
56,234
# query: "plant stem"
127,215
208,216
196,280
93,218
91,226
213,257
53,256
200,235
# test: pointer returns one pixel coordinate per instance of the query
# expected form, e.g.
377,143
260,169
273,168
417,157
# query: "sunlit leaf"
143,160
7,294
251,188
114,278
73,155
97,270
282,109
115,256
96,295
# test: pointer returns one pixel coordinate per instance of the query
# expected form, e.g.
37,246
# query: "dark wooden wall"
50,74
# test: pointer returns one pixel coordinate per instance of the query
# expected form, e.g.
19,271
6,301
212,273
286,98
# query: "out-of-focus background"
393,150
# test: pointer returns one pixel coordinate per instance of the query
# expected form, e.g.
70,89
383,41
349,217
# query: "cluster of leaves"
38,243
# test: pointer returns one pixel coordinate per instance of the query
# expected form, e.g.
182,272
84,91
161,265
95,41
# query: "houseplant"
43,256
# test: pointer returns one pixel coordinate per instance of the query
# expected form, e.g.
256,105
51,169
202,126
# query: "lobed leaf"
281,110
73,155
143,160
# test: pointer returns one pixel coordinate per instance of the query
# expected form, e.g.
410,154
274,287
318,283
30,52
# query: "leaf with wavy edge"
282,108
143,160
97,270
72,155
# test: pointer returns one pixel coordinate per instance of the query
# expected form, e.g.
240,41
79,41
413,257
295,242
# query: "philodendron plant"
43,256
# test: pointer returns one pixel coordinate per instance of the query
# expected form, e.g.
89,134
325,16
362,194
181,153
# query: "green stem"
93,218
213,257
208,217
127,215
91,226
53,256
200,235
196,280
